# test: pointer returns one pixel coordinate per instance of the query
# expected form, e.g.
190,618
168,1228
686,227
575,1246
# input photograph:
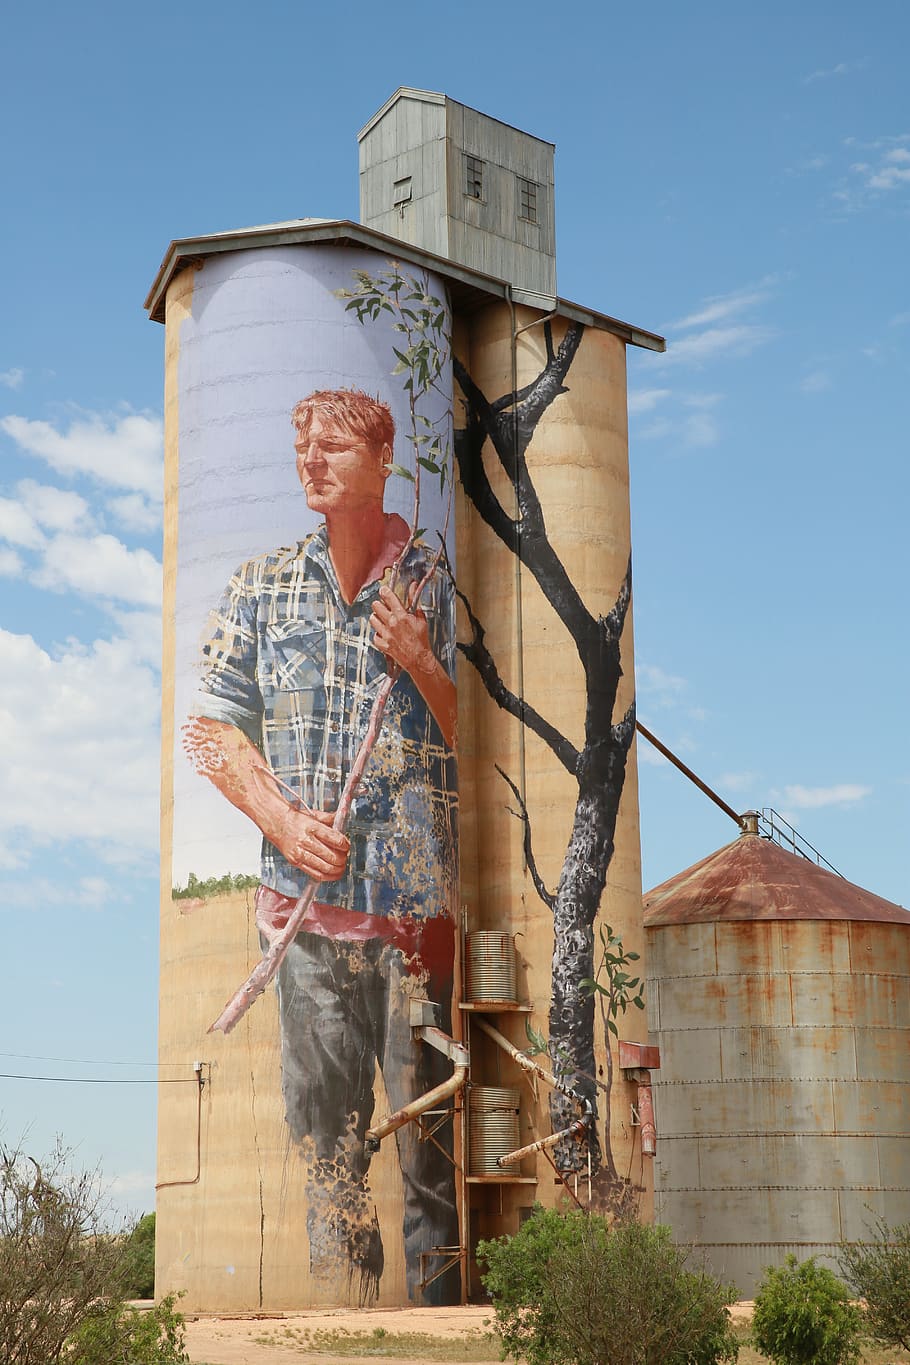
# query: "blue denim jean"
344,1006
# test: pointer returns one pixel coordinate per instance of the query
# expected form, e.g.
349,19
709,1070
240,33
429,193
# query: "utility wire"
104,1080
82,1061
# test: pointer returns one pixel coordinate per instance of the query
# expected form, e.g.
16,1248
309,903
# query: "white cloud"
57,509
700,429
651,757
740,339
812,798
80,729
719,307
134,512
18,526
825,74
736,782
657,685
887,171
889,178
124,452
816,382
645,400
692,429
141,631
100,566
11,565
12,379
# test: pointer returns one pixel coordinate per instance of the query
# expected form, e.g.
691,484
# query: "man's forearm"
438,691
225,755
232,763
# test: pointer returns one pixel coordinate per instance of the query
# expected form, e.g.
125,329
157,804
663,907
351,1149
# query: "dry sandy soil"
232,1341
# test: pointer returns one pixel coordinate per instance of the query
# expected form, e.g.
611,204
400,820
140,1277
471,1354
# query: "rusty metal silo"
780,995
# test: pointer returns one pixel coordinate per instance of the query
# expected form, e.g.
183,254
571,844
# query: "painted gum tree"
502,429
498,432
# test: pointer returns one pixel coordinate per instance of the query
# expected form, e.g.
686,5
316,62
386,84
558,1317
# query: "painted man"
295,654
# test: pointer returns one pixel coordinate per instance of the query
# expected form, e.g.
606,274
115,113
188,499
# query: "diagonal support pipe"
528,1064
459,1055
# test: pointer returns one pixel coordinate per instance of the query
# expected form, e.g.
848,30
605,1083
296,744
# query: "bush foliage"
139,1260
64,1274
803,1316
570,1289
121,1335
879,1272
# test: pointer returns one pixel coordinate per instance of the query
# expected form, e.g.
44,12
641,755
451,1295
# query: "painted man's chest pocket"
294,656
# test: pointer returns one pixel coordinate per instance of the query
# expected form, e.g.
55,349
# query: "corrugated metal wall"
783,1097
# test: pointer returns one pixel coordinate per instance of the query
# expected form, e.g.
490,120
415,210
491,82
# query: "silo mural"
397,497
319,707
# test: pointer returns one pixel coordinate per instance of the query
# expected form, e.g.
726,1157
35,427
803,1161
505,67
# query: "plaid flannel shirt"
291,664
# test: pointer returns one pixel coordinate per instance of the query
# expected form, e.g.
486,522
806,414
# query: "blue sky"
736,177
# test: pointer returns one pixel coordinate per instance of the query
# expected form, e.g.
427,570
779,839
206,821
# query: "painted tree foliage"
505,426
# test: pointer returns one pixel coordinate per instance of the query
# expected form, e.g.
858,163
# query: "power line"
104,1080
82,1061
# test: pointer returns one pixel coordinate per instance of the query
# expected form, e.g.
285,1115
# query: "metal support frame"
421,1010
453,1256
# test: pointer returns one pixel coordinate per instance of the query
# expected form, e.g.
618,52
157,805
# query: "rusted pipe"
687,772
374,1135
541,1144
528,1064
524,1061
646,1116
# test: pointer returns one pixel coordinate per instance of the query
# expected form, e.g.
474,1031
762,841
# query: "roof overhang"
470,288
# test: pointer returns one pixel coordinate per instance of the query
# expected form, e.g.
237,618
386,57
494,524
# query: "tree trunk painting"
506,425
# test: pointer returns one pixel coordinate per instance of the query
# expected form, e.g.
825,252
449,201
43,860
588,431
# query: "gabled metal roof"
470,288
409,92
755,879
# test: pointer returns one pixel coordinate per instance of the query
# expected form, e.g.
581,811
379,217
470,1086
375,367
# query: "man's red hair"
355,413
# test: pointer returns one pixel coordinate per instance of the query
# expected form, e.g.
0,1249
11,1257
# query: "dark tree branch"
477,654
615,618
510,433
469,455
509,400
548,386
546,896
623,732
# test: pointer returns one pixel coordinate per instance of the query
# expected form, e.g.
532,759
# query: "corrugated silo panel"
692,1056
690,951
861,1209
872,1107
763,1052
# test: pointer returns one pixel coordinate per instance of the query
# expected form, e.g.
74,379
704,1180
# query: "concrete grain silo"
780,997
318,1151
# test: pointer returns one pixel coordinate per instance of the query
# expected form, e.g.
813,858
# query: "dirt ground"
233,1341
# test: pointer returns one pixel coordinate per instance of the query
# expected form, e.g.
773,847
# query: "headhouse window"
402,191
473,177
527,200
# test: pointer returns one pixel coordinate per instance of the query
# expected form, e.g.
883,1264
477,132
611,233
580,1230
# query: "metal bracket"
456,1052
452,1255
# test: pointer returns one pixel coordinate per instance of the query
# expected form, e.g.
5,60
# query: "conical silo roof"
755,879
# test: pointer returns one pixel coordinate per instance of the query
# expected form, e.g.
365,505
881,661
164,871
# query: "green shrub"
570,1289
58,1261
879,1272
803,1316
121,1335
139,1260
